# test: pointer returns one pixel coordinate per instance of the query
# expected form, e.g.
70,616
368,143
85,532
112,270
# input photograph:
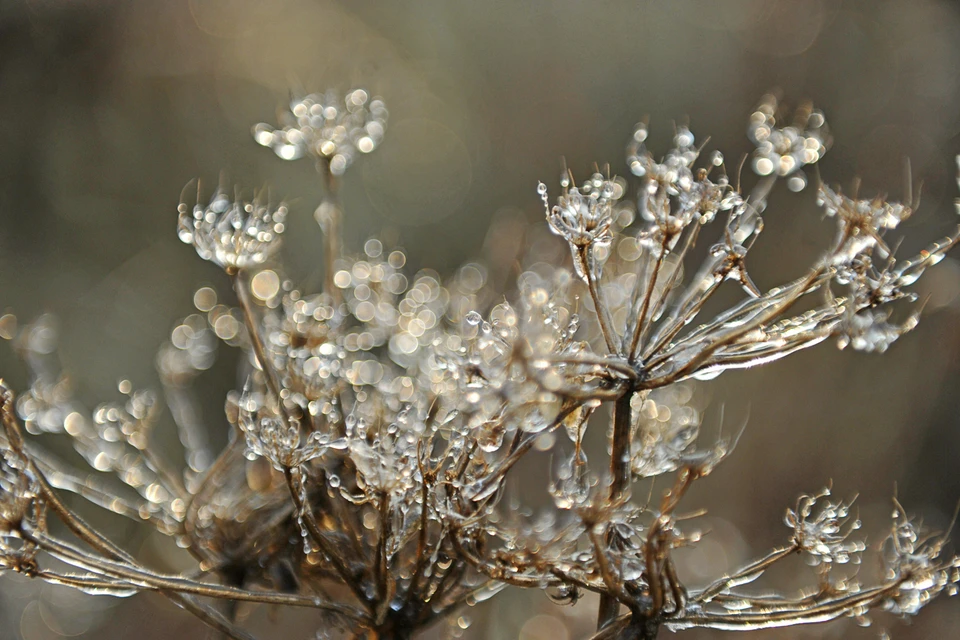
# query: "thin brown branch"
599,303
316,535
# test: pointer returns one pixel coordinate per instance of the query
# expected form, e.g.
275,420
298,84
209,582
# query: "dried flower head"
366,474
783,151
233,234
861,222
823,528
582,217
914,562
328,128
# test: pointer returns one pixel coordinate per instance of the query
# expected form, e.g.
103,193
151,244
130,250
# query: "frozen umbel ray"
366,474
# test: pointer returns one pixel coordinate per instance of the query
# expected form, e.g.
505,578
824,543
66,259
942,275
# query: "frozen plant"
365,475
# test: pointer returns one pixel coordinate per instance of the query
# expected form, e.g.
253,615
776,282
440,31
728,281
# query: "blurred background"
108,108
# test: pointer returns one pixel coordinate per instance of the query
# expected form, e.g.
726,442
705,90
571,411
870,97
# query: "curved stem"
745,574
803,614
142,579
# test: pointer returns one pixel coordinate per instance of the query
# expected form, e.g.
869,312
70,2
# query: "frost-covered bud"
190,350
705,199
783,151
582,216
232,233
869,330
328,127
130,421
275,437
675,194
675,169
822,529
913,561
861,222
877,212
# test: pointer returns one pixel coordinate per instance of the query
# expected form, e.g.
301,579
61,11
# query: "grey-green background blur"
108,108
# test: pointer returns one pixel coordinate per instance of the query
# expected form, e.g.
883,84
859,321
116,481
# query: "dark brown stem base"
640,629
620,482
